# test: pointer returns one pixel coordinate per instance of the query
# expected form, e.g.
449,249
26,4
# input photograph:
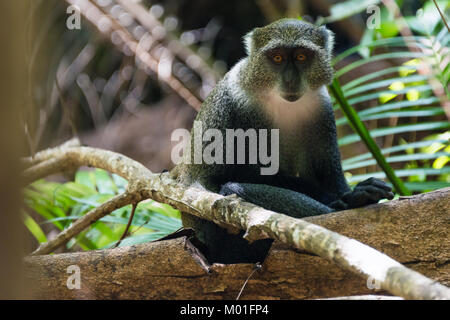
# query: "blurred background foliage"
136,70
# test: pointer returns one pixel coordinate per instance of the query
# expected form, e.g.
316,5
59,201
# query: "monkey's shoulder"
228,107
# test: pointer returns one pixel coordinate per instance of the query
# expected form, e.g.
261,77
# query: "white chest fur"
291,118
288,116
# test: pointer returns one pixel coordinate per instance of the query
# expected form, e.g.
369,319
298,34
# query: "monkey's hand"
367,192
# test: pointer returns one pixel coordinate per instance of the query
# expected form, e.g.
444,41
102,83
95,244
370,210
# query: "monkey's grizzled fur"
260,92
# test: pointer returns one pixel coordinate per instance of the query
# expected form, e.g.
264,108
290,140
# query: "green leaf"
401,158
383,56
419,112
104,182
367,38
376,95
402,147
104,230
441,161
403,173
388,29
162,208
385,83
377,74
163,223
85,178
427,185
398,105
47,212
380,132
120,182
76,189
414,99
34,228
395,42
94,200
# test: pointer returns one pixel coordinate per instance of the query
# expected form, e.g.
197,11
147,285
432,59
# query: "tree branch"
84,222
258,223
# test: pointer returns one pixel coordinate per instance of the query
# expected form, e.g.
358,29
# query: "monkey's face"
290,57
291,66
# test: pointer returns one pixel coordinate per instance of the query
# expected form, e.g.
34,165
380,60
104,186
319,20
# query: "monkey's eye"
277,58
300,57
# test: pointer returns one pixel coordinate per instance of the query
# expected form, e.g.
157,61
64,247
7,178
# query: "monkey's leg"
277,199
220,246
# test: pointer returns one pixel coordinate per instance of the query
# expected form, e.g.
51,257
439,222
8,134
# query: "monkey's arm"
330,188
332,178
367,192
307,187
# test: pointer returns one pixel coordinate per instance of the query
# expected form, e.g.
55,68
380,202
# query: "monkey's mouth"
291,97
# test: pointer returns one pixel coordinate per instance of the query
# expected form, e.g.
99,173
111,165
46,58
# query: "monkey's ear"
328,39
248,42
251,40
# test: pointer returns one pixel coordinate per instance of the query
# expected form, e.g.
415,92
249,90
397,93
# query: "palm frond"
401,105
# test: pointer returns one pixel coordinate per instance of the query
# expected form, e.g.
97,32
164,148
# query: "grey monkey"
281,84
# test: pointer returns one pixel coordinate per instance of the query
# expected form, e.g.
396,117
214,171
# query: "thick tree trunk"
414,231
15,66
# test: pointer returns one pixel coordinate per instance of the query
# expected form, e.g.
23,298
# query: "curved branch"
79,225
54,160
45,169
68,157
48,154
259,223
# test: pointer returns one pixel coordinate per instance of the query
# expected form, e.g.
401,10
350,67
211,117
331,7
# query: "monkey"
280,84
